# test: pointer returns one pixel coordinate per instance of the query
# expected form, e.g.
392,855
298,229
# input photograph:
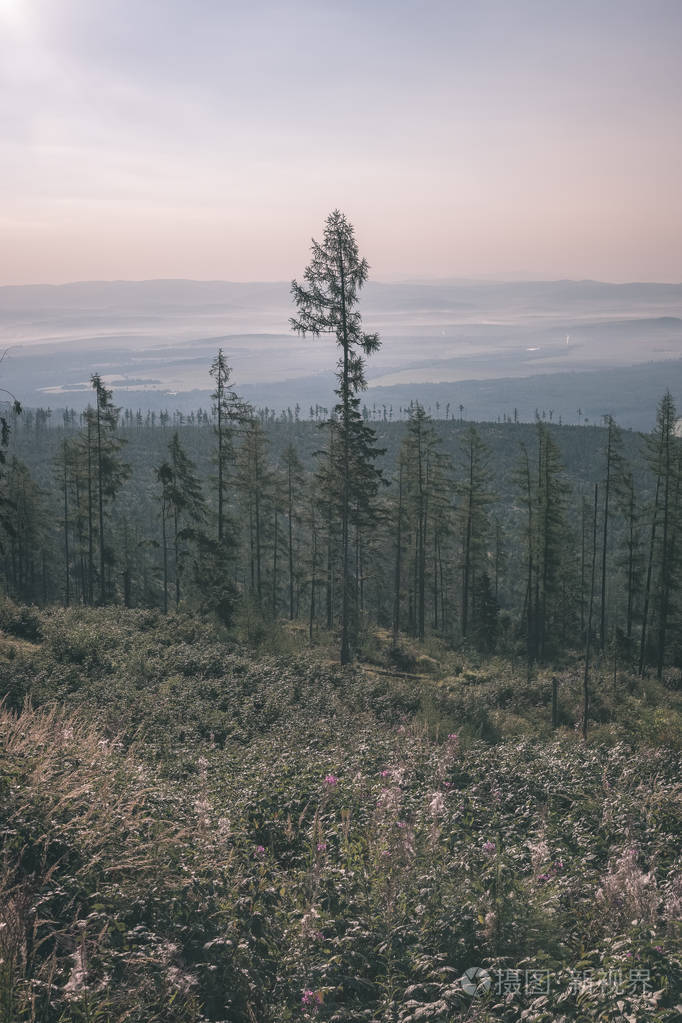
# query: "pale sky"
210,138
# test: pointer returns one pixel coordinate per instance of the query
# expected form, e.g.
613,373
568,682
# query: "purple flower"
402,824
543,877
385,774
321,846
259,850
311,999
331,780
489,848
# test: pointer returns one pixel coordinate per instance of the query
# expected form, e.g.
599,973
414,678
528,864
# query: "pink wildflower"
331,780
321,846
259,850
489,848
311,999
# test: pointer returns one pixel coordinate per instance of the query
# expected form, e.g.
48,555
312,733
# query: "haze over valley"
474,343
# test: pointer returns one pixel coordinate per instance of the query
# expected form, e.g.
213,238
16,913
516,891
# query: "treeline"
38,421
342,535
445,546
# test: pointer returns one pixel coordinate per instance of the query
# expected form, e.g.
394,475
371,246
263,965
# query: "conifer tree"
22,533
107,468
326,302
183,508
588,632
614,475
425,486
293,471
254,479
543,493
553,529
473,489
10,408
631,560
65,473
397,577
229,413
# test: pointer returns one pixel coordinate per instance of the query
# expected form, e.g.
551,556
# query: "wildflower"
311,999
489,848
321,846
331,780
259,850
385,773
402,824
544,877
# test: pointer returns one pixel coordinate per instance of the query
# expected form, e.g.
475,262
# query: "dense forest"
351,714
480,534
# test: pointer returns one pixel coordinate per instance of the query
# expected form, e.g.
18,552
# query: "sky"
210,139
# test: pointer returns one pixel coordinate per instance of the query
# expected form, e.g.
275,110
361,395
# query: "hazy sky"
210,138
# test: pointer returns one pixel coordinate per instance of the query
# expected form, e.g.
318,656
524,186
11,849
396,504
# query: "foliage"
191,834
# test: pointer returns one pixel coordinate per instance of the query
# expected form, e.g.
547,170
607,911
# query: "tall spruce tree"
543,492
473,488
255,479
229,414
632,553
424,500
183,508
293,481
326,303
613,478
106,471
